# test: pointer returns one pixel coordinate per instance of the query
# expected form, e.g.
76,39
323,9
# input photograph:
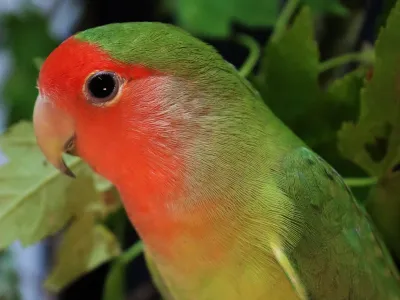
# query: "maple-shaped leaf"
215,18
288,79
373,142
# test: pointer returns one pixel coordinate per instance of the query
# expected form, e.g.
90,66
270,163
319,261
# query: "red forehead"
65,70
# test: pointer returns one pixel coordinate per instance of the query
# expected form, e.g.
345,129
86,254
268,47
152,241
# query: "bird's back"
340,254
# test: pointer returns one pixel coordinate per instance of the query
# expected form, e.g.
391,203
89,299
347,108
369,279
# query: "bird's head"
124,92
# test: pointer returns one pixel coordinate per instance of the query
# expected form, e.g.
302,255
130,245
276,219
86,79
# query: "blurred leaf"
342,98
36,200
27,37
85,246
332,6
102,184
9,289
38,62
290,70
255,13
35,197
384,14
288,80
374,141
384,207
214,18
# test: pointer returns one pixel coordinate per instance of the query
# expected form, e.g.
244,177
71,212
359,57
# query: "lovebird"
228,201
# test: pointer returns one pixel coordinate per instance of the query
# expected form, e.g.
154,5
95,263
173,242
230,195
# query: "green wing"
340,254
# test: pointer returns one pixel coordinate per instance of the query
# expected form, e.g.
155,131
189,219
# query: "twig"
254,54
284,19
133,252
361,57
361,182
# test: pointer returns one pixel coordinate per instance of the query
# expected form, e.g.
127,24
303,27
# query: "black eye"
102,87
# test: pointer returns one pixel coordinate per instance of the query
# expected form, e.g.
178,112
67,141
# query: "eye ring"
102,88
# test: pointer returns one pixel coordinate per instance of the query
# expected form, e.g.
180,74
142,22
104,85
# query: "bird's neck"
190,205
171,220
202,240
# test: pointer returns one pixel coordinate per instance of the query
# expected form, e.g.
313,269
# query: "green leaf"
332,6
27,37
383,206
214,18
255,13
102,184
343,96
342,102
36,200
339,103
374,141
342,99
38,62
288,80
9,282
384,14
85,246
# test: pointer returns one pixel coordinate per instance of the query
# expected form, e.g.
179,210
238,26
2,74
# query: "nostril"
69,146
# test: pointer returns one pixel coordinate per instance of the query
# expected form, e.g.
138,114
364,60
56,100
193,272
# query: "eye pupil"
102,87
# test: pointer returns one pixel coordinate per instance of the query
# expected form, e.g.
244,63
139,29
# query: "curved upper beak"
55,133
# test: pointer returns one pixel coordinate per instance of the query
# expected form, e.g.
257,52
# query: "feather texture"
229,202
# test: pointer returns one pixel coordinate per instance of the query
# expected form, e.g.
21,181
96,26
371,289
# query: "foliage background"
345,113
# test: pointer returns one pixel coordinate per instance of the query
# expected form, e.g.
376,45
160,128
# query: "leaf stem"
361,57
119,226
360,182
254,54
284,19
114,287
133,252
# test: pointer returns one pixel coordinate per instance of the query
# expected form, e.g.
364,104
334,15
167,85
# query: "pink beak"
54,131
